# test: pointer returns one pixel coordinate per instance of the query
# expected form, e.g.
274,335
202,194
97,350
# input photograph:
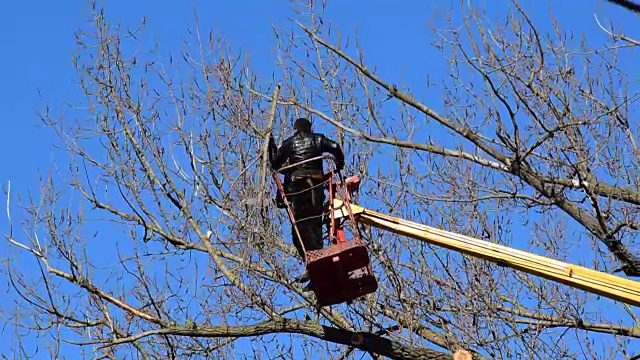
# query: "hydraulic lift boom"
607,285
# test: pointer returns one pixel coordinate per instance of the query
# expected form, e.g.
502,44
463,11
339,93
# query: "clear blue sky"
37,40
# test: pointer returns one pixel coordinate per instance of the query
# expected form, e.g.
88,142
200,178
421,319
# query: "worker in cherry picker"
301,183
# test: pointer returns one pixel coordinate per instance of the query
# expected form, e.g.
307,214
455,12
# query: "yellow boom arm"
607,285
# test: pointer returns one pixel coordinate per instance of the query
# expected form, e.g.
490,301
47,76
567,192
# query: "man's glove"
272,151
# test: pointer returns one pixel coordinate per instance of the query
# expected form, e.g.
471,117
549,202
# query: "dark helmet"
302,125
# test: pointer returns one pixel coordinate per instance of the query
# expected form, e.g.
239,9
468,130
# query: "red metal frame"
289,210
336,232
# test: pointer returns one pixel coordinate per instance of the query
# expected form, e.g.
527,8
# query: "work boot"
302,278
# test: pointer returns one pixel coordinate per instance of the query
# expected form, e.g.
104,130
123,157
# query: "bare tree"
157,237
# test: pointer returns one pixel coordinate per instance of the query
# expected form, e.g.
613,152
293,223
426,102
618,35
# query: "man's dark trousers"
306,193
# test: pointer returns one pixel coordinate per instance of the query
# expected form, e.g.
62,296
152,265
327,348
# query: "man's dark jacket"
300,147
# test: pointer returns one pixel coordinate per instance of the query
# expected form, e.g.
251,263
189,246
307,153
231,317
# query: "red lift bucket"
341,273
